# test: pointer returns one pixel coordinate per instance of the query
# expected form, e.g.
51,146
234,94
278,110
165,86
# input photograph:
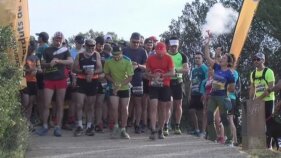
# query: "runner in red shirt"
160,69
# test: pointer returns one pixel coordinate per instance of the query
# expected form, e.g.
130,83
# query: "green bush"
13,126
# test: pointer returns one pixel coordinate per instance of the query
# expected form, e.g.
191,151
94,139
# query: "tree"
93,35
269,13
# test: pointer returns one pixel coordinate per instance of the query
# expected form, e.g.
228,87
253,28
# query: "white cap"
174,42
107,37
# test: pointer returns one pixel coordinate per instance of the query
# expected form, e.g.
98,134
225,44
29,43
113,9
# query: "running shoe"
42,131
78,131
124,135
57,132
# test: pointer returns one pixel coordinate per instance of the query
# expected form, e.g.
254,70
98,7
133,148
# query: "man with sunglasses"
261,79
119,71
138,57
88,66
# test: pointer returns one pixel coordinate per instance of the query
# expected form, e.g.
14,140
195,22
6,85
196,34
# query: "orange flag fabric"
16,14
243,25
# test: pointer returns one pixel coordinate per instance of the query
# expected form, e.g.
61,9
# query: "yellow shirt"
261,85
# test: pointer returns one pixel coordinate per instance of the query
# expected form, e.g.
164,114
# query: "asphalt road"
139,146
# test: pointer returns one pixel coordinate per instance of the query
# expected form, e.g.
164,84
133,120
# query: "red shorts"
55,84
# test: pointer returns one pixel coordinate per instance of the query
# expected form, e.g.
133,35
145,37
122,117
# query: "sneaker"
143,127
78,131
137,129
177,131
124,135
230,144
153,135
42,131
99,128
90,131
111,125
195,133
115,133
160,134
202,135
166,132
221,140
57,132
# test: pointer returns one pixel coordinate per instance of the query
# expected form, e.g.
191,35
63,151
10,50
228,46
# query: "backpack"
260,78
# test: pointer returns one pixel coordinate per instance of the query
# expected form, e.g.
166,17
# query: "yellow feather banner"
243,25
15,13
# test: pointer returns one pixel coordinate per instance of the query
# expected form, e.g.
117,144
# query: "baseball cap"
136,36
58,34
153,38
79,39
44,36
90,42
260,56
108,38
160,48
116,50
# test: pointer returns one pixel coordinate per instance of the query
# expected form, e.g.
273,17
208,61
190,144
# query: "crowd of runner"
108,85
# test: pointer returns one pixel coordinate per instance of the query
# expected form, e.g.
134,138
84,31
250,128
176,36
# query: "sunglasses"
91,46
257,59
136,42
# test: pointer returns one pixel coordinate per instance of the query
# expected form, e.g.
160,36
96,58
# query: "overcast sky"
148,17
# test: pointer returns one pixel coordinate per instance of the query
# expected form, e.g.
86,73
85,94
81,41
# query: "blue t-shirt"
221,80
139,56
232,94
198,74
40,50
74,52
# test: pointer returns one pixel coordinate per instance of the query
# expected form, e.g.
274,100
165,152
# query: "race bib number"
89,67
195,85
217,86
260,88
156,83
138,90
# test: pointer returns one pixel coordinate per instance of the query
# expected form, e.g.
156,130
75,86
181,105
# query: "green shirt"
178,59
261,85
119,70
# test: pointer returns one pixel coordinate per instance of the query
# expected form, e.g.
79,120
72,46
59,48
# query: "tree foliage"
91,34
269,12
13,131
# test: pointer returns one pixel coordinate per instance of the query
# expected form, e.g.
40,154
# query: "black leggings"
269,105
